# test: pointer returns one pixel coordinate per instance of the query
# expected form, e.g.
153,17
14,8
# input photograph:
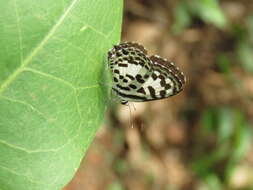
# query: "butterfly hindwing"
172,79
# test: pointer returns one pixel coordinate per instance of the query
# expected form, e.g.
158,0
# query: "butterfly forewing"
137,77
129,66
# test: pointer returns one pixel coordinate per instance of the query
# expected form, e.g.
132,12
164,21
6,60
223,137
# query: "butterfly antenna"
134,107
130,114
142,127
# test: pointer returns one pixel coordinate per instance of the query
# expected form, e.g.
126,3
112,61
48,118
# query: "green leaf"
52,96
115,186
244,52
213,182
250,27
182,17
209,11
225,125
242,138
224,63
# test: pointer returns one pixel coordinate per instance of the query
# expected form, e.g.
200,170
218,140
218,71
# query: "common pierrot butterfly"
137,77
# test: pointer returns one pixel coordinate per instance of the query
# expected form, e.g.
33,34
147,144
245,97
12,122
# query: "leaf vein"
43,150
38,48
50,76
26,104
19,31
19,174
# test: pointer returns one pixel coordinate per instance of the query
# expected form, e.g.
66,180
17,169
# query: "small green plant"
208,11
230,133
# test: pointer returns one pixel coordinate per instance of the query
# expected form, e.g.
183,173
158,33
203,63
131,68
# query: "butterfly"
137,77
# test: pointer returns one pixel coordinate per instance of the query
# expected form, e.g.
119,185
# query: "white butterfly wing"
137,77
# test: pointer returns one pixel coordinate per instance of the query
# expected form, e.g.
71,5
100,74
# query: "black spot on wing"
162,93
139,78
146,76
141,90
125,52
133,62
117,47
116,71
130,76
152,92
162,82
115,79
167,86
154,76
146,67
131,57
175,91
161,77
122,65
123,87
132,86
140,54
125,58
118,54
141,63
177,86
110,54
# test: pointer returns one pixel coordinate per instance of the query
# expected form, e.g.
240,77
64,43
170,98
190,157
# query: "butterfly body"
137,77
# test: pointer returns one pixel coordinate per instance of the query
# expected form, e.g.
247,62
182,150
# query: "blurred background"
200,139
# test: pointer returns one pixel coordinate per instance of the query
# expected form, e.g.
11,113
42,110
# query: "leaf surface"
52,96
